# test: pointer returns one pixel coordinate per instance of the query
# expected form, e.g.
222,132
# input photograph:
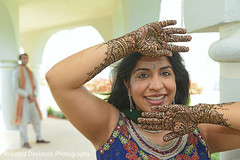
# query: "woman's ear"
127,85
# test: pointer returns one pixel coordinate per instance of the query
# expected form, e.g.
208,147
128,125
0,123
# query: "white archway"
61,45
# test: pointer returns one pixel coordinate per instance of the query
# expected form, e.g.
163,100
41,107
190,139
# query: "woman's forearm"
225,114
79,68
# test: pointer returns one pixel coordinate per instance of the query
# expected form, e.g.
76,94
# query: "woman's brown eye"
143,75
166,73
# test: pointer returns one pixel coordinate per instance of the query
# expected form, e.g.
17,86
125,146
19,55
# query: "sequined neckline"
165,151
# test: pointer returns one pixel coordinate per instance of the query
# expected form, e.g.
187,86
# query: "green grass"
215,156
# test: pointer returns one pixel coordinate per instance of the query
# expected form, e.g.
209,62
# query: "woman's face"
152,83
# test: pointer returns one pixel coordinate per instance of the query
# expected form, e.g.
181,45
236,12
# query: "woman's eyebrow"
165,67
141,69
146,69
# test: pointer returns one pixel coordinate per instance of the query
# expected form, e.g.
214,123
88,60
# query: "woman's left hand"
182,119
179,119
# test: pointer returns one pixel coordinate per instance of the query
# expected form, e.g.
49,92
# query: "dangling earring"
131,102
173,102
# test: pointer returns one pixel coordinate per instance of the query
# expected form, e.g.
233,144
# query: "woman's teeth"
155,98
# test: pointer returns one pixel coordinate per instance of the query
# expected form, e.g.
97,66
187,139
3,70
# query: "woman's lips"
155,100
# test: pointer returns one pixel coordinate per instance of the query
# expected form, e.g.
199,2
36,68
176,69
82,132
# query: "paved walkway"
66,144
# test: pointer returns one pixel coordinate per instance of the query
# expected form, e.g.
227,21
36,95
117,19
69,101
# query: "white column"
227,52
9,50
7,94
8,104
2,135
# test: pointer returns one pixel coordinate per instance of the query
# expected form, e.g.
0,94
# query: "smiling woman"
150,73
149,86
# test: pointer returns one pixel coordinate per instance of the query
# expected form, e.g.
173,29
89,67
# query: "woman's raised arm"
92,116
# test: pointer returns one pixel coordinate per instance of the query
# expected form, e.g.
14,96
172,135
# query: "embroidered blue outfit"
127,142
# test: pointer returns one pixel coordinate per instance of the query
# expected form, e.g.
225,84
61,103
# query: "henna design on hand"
150,40
181,119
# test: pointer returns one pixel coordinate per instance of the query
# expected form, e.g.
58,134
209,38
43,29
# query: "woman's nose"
156,83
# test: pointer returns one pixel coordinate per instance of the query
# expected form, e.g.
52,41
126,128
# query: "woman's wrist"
120,47
210,113
115,50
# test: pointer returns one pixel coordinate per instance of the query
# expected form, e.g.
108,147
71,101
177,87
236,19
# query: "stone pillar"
11,132
226,51
9,50
7,94
2,136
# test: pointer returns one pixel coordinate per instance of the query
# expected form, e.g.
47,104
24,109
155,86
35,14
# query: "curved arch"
61,45
66,42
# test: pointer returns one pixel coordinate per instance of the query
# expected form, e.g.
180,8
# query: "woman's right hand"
152,39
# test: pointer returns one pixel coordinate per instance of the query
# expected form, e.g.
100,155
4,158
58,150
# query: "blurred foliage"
195,88
57,114
99,85
215,156
50,111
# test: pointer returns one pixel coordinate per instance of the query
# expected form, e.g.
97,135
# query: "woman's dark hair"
119,95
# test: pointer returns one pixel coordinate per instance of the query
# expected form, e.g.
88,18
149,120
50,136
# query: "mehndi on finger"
152,114
145,120
153,127
150,121
163,52
177,38
175,30
160,108
148,114
169,136
158,26
175,48
167,23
